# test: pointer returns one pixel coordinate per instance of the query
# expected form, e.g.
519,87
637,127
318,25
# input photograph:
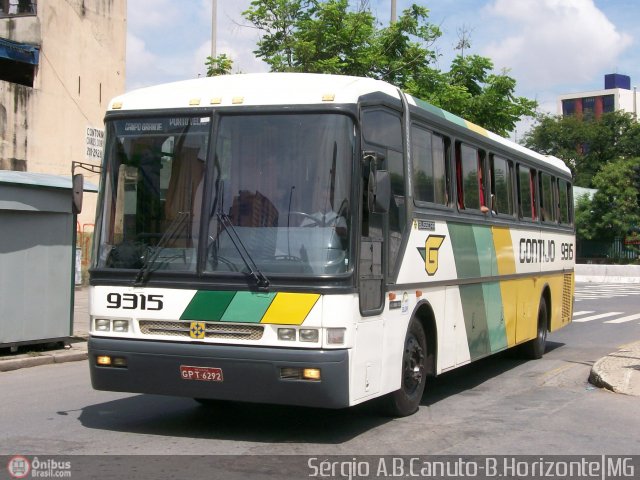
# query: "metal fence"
609,252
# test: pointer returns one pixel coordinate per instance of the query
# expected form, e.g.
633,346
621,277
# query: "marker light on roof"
194,101
237,100
216,101
328,97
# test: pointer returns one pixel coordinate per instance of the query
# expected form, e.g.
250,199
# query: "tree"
586,145
614,210
330,37
220,65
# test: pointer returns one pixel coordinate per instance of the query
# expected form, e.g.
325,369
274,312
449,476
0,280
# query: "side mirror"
379,193
378,182
78,189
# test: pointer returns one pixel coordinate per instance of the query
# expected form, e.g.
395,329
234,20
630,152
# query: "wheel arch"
424,314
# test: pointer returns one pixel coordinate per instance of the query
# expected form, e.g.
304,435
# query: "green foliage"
331,37
221,65
586,146
614,210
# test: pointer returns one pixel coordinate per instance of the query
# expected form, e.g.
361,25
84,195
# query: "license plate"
204,374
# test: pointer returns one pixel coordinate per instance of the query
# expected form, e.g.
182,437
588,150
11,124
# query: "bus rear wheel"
406,400
534,349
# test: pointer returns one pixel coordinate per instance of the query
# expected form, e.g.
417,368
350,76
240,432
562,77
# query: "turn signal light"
103,360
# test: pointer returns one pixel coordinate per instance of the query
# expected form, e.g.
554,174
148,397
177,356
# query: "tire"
534,349
406,400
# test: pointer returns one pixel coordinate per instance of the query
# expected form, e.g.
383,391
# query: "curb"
619,371
77,352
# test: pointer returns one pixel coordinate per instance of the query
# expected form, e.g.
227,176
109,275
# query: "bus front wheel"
405,401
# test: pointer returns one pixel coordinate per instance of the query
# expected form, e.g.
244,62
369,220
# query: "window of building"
18,62
429,167
501,185
568,107
17,7
608,103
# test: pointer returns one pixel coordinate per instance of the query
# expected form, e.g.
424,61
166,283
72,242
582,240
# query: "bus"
316,240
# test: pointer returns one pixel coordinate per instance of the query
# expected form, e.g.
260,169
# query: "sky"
551,47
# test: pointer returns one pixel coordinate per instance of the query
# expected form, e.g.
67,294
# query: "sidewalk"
619,371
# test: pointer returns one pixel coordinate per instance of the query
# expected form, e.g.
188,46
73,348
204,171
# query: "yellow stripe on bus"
504,251
290,308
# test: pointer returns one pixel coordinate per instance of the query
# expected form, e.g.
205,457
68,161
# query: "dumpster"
37,258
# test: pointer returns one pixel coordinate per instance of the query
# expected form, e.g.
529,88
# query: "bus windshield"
277,200
281,191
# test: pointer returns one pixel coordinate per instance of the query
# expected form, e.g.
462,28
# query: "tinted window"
429,167
383,128
469,178
547,205
564,190
525,193
502,185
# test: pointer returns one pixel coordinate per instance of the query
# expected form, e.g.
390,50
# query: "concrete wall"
608,273
81,67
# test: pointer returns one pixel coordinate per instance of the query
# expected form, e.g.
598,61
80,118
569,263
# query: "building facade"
617,95
61,61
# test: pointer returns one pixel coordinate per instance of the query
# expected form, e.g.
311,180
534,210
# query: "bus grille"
212,330
567,297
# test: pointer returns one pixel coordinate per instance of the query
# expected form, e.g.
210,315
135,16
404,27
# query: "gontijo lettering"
537,251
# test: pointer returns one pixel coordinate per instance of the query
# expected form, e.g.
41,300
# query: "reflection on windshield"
278,195
283,181
152,194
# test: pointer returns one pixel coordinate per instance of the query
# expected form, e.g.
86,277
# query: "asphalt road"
500,405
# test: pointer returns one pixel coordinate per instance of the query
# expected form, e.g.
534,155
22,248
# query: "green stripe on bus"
248,307
475,320
465,251
485,250
207,305
495,318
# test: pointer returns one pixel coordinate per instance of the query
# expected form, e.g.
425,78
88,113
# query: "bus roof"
254,89
272,89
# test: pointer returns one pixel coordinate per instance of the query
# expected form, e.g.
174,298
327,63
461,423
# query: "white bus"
316,240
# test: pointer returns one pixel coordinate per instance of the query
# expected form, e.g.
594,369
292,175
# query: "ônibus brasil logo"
19,466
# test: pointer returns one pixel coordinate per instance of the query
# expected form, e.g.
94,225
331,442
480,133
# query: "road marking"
596,317
628,318
577,314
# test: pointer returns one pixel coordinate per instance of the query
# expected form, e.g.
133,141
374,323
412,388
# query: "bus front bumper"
247,374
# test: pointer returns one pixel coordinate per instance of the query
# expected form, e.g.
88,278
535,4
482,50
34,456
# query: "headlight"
309,335
121,326
287,334
102,325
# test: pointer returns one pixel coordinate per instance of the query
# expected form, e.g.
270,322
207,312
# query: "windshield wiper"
261,280
175,227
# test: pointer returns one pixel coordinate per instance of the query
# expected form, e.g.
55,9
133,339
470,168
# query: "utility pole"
393,11
214,24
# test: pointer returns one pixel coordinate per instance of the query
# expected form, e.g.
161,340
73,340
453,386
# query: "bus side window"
469,165
429,167
564,196
501,185
526,193
547,205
